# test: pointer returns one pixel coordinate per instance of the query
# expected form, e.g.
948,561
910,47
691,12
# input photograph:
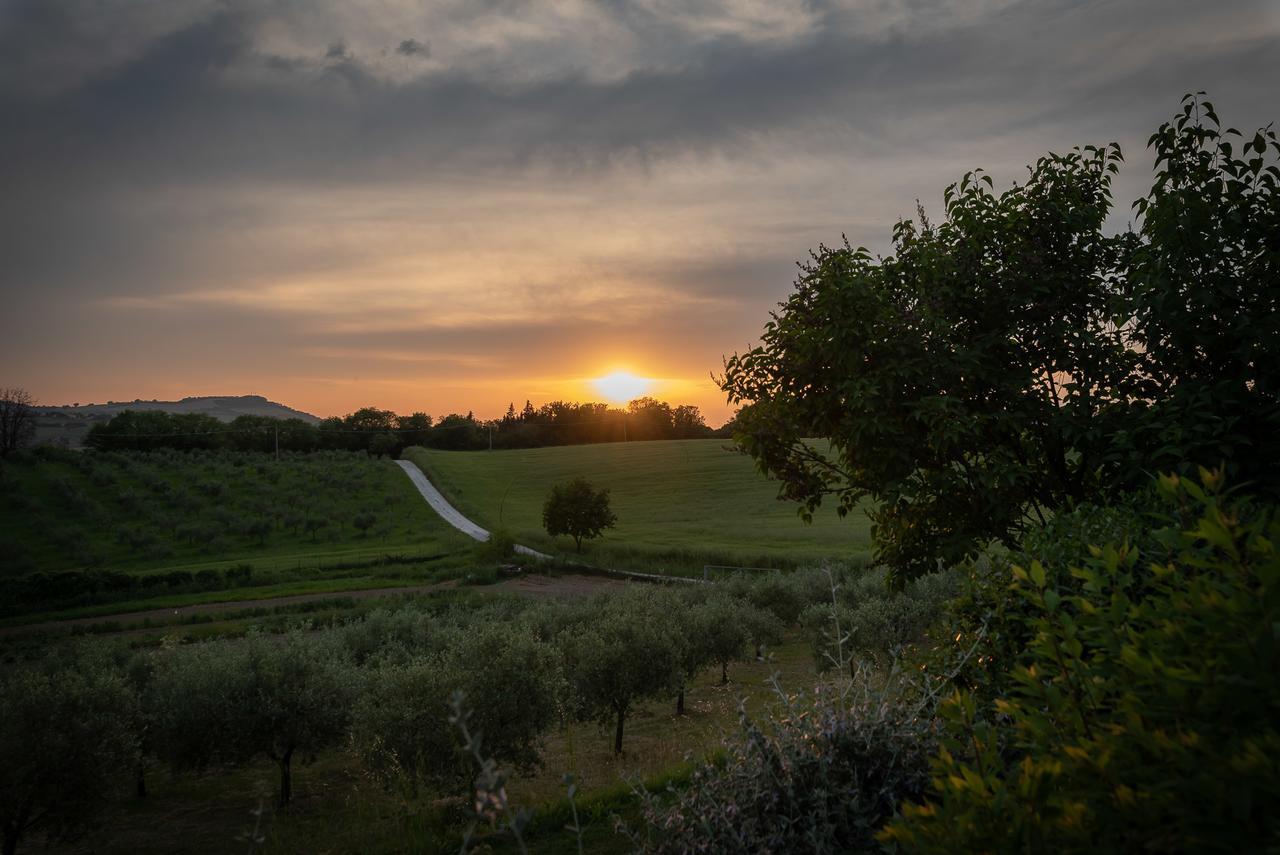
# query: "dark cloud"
413,47
697,148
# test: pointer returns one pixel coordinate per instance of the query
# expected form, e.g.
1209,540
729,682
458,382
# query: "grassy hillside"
680,504
69,425
147,512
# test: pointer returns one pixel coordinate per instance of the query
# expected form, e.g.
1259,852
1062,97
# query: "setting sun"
622,386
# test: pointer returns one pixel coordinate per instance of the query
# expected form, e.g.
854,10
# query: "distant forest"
383,432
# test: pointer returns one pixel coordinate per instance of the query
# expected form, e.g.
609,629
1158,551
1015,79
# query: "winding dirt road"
449,513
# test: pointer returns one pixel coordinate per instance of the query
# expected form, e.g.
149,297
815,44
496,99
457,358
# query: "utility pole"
277,430
491,437
624,427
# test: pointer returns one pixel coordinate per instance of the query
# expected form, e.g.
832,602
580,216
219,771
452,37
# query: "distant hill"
68,425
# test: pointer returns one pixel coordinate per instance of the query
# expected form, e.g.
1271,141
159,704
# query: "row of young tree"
75,729
383,432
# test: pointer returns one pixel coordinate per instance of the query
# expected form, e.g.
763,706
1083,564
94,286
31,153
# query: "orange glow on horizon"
622,386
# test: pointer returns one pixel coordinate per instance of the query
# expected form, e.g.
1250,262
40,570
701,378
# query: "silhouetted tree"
1019,357
17,422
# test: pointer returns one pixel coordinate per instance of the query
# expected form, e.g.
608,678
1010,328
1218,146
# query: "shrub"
1141,712
821,776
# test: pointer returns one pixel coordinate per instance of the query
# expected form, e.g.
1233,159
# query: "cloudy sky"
450,205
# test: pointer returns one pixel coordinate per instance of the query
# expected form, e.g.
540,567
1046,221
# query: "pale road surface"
449,513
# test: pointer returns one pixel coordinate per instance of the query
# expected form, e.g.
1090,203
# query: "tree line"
383,432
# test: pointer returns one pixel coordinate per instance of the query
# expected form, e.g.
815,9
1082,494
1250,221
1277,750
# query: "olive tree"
722,631
231,701
65,736
510,681
626,655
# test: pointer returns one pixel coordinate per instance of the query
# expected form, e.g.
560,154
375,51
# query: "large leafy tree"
1017,358
578,510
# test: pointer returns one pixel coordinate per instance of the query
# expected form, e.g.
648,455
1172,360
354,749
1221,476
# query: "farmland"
385,673
80,527
680,504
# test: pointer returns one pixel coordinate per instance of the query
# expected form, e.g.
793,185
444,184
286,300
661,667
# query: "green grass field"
680,504
174,521
147,511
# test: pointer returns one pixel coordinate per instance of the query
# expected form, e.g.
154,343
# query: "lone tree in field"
1017,357
578,510
17,422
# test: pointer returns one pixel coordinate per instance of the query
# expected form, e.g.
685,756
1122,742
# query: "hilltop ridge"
68,424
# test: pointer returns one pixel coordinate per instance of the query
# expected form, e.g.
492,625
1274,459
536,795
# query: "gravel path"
449,513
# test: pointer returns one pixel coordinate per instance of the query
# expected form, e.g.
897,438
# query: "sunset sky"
449,206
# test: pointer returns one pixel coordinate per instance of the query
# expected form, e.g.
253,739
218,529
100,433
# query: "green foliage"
721,628
860,617
401,725
629,651
1140,712
821,775
271,696
67,744
1015,359
578,510
83,524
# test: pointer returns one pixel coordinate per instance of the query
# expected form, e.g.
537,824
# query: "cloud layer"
447,205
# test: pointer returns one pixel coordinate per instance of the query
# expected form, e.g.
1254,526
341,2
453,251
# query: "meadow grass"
680,504
169,510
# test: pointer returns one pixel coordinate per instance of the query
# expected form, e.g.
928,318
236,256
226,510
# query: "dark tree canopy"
67,741
17,422
578,510
1016,358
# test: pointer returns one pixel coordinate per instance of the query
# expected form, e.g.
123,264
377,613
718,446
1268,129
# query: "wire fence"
709,569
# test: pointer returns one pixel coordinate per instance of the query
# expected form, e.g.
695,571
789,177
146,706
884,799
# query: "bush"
1140,713
822,776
